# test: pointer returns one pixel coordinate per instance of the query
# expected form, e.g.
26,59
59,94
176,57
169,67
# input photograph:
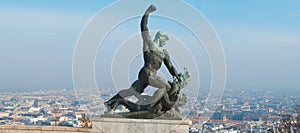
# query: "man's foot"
112,104
157,109
109,107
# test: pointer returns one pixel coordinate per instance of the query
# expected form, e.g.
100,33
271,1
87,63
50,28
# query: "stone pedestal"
43,129
125,125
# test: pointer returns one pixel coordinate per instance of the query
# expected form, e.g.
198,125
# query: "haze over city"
260,40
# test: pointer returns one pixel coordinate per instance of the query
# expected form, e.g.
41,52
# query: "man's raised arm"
144,22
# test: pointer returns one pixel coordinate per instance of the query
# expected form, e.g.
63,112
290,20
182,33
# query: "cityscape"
240,110
61,61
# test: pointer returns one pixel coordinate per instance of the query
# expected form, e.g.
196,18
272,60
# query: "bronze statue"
169,103
154,55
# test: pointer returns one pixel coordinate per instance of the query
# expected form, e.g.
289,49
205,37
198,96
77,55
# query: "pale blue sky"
261,40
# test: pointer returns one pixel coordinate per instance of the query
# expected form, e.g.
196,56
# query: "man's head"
161,38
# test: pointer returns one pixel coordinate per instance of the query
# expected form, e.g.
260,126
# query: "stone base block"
125,125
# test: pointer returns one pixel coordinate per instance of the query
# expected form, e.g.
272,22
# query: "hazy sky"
261,41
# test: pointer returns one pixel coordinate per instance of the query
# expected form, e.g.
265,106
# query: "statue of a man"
154,56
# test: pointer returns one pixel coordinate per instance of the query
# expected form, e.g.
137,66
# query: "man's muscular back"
153,59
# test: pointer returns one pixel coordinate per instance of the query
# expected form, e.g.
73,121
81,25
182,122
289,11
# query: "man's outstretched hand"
180,78
151,8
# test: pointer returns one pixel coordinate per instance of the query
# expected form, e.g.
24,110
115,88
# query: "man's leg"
135,89
112,103
157,82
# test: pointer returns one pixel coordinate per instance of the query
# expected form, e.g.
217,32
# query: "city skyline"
260,40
